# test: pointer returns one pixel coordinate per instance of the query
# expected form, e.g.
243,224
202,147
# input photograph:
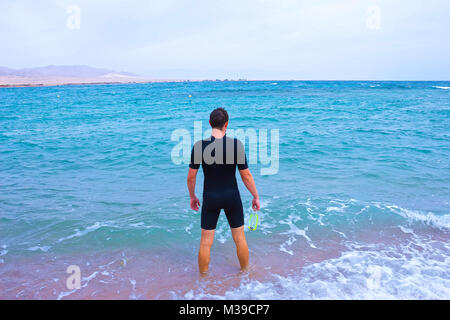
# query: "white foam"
65,294
339,232
133,290
3,252
294,231
341,205
354,275
188,228
406,230
79,233
340,209
441,87
92,276
428,218
283,249
41,248
138,224
222,232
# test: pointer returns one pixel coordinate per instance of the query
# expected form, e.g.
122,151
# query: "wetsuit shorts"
230,202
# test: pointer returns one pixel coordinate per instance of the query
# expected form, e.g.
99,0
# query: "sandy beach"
16,81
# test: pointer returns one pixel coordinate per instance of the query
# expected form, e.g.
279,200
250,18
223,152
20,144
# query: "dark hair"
218,118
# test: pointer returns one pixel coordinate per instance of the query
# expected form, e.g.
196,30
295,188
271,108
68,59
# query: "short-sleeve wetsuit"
219,159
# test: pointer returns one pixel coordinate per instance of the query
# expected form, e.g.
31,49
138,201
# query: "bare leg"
205,248
241,246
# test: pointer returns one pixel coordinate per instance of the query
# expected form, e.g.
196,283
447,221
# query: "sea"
355,204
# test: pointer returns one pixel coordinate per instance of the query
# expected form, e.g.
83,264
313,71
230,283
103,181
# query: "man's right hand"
195,203
255,204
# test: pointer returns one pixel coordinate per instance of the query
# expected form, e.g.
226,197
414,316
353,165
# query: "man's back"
219,158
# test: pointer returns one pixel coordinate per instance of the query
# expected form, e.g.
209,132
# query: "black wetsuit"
219,159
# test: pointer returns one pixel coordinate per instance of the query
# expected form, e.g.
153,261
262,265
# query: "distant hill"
62,71
62,75
6,71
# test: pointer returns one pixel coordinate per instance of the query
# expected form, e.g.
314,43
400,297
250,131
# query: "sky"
252,39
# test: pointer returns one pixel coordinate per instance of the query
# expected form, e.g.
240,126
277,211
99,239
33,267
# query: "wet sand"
163,274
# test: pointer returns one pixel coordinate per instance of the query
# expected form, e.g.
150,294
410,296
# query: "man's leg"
205,248
241,246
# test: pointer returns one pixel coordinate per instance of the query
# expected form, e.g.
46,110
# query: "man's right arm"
192,176
194,165
247,178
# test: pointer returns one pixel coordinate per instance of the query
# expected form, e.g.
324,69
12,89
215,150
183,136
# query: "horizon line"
34,85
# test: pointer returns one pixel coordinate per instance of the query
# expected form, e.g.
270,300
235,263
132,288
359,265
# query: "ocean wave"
345,207
384,274
79,233
40,248
441,87
441,222
4,251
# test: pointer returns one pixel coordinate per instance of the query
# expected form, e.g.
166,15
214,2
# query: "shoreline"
74,83
32,85
144,273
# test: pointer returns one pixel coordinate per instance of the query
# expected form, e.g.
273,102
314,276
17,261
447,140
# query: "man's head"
218,119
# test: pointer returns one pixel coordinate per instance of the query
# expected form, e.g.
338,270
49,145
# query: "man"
219,156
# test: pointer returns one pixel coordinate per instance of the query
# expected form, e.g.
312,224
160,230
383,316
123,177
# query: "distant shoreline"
31,85
75,83
23,82
53,75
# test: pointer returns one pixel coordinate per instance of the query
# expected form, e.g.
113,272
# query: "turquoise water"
359,207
